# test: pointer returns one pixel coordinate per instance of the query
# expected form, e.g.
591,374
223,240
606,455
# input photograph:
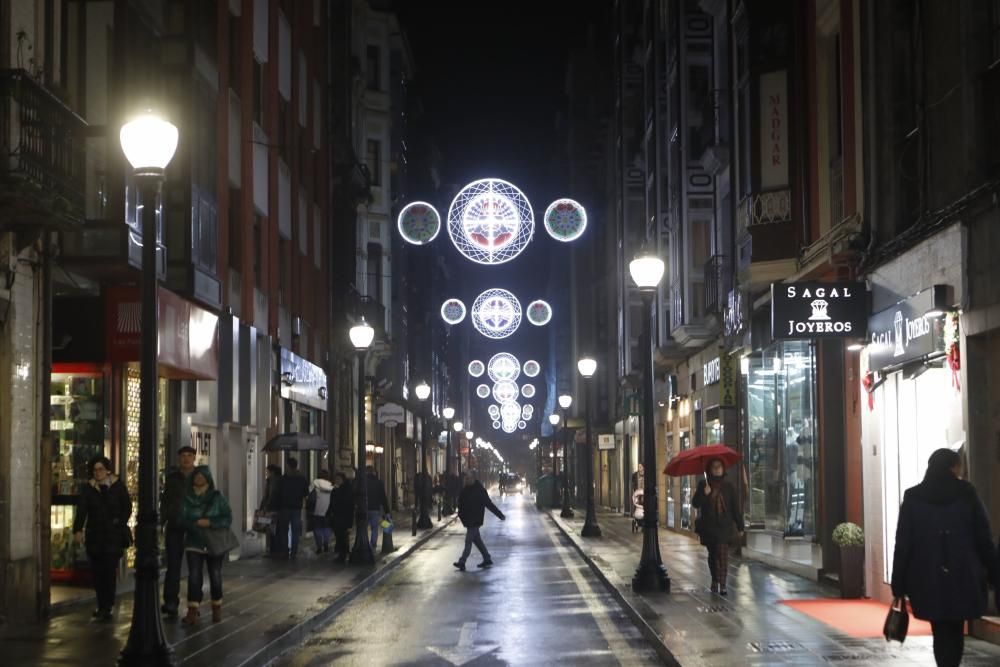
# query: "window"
835,132
284,274
206,21
374,161
235,230
258,93
373,69
258,269
235,39
374,277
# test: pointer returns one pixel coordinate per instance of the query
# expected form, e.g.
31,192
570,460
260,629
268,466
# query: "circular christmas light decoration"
496,424
490,221
483,391
510,411
419,223
565,220
539,312
528,391
496,313
531,368
494,411
476,368
453,311
505,391
528,409
509,427
521,424
503,366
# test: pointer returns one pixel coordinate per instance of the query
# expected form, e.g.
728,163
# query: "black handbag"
219,541
897,622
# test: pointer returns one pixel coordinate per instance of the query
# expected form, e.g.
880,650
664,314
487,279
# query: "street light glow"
148,141
646,270
587,367
448,412
469,434
554,419
565,400
362,334
422,391
458,426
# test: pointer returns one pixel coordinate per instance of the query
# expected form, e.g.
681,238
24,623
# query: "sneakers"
485,564
460,565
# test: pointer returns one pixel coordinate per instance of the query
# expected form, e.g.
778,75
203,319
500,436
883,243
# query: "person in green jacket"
203,507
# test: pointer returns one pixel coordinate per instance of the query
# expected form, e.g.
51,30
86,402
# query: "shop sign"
727,381
904,332
605,441
818,310
773,130
302,380
710,372
391,414
734,317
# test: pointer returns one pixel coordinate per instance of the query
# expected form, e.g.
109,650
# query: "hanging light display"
539,312
419,223
505,391
494,411
528,390
496,424
531,368
510,412
503,366
476,368
483,391
496,313
509,427
490,221
453,311
528,410
521,424
565,220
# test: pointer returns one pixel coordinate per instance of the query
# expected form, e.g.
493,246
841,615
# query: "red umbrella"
693,461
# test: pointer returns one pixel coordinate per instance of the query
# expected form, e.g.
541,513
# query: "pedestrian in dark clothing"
269,504
378,504
171,499
944,559
292,491
204,507
720,521
102,516
473,502
341,515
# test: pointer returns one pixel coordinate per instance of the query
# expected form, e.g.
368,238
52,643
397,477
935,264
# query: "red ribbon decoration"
867,381
955,363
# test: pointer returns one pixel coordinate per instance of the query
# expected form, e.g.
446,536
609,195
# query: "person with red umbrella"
720,520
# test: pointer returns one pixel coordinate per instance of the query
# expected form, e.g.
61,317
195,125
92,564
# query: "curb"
294,636
633,605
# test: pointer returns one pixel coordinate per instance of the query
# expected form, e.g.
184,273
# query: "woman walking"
102,516
341,514
944,559
204,509
318,505
720,521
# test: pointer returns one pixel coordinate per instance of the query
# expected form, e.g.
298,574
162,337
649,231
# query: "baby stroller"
638,511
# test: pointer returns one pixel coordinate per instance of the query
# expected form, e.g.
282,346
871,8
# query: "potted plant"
851,540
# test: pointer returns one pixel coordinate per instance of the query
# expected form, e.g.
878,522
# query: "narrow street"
540,604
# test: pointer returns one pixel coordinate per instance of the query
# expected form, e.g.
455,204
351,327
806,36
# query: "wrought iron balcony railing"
718,283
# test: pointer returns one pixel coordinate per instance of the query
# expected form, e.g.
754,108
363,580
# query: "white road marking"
465,651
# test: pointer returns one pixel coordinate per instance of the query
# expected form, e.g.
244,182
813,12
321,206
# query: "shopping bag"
897,621
262,521
386,524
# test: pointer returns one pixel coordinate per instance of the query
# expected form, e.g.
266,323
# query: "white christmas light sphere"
539,312
496,313
418,223
531,368
494,411
496,424
476,368
505,391
453,311
521,424
509,427
528,409
528,390
510,411
483,391
490,221
503,366
565,220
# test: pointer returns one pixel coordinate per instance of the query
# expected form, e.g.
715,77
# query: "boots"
216,611
192,616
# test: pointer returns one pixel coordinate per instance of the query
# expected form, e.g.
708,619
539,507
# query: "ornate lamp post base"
591,529
650,576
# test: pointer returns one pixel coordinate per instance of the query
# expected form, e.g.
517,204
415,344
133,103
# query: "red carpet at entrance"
858,618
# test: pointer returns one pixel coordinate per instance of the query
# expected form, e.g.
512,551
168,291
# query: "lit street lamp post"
468,437
458,426
554,420
587,367
423,392
362,335
149,143
449,508
565,400
647,271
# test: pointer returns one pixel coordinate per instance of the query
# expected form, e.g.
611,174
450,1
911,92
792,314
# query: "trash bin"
545,492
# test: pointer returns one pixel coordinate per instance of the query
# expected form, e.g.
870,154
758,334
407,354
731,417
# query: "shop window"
781,425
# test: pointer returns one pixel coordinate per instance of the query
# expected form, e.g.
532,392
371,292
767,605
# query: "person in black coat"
290,495
720,521
341,515
102,516
378,504
944,559
171,498
473,502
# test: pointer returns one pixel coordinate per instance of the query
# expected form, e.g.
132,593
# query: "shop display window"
781,428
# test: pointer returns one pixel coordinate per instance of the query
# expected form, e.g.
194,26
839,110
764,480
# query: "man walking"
473,502
171,499
292,491
378,504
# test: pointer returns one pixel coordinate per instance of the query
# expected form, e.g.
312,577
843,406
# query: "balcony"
765,239
42,169
718,283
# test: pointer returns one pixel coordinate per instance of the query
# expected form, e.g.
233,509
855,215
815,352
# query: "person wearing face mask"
720,521
102,516
204,507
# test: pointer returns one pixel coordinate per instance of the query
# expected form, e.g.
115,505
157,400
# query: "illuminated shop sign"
910,330
818,310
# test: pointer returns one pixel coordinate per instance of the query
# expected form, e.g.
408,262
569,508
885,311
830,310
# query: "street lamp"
449,413
423,392
565,400
647,271
587,367
362,334
149,143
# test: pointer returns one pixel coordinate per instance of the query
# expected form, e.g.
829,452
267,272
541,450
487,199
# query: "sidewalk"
268,607
749,627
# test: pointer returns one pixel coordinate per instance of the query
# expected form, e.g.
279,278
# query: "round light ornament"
490,221
419,223
510,411
525,413
505,391
528,409
496,313
476,368
496,424
521,424
503,366
483,391
565,220
509,427
494,411
539,312
453,311
531,368
528,391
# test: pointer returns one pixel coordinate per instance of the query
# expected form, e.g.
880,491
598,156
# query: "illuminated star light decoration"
490,221
503,366
531,368
496,313
453,311
539,312
528,391
419,223
565,220
505,391
483,391
476,368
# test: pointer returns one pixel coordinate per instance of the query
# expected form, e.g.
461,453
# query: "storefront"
304,404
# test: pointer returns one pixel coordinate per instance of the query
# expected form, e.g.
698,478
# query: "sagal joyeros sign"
818,310
905,332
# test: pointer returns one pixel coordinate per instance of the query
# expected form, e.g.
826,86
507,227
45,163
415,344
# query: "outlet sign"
818,310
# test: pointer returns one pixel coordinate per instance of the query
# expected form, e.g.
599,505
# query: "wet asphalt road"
540,604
